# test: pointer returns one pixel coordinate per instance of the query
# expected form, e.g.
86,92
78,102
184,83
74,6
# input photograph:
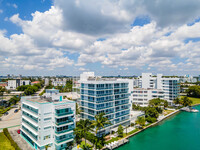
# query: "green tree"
151,112
176,101
185,101
83,127
14,100
99,122
193,91
120,131
141,121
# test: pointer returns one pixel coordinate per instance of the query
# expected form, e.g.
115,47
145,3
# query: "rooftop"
42,99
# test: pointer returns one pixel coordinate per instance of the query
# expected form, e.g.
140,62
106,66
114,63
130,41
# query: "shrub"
151,120
7,134
120,131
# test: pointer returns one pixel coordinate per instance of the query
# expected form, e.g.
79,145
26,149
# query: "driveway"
19,140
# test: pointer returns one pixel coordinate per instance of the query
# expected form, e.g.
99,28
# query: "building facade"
169,86
109,96
142,96
13,84
47,121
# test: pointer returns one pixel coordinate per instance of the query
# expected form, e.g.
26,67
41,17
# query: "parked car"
18,131
6,113
16,110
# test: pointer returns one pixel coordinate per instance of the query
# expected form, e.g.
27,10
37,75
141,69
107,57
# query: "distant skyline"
109,37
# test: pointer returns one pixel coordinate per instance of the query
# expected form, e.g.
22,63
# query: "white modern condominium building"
168,86
47,121
142,96
105,95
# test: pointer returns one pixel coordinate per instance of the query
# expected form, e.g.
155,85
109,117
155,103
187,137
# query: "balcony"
30,117
29,133
64,131
63,140
29,124
64,122
64,113
122,114
35,111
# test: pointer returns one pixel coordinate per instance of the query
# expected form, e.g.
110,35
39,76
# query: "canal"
179,132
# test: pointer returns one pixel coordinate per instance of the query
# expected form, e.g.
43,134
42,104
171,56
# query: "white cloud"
1,11
73,27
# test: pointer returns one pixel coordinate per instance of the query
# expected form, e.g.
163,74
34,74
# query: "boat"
194,110
189,109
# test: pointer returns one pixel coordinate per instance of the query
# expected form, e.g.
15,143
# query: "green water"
180,132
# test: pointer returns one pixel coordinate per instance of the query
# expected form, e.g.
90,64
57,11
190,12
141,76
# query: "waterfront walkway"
115,144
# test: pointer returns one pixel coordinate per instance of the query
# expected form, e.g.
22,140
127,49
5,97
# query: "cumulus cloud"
73,26
146,46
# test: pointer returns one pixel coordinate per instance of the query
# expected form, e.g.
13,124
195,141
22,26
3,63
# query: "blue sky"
50,37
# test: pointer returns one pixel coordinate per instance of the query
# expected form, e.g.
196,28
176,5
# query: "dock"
119,143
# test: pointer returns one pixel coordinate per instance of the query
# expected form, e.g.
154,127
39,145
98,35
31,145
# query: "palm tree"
100,121
83,126
47,146
141,121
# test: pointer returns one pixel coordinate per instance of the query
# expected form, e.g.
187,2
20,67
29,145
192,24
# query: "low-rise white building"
47,120
142,96
13,84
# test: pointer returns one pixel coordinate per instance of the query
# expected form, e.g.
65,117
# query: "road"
38,92
11,120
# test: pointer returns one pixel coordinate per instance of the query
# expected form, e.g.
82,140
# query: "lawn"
166,112
5,143
194,100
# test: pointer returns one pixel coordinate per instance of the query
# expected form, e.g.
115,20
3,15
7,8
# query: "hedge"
7,134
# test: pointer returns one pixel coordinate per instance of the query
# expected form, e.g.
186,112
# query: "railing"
103,107
64,131
29,116
62,140
64,122
29,124
29,132
122,115
64,113
30,109
126,102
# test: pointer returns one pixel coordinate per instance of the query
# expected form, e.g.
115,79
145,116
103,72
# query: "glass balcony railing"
122,115
35,111
64,113
30,117
29,124
64,139
64,122
29,132
64,131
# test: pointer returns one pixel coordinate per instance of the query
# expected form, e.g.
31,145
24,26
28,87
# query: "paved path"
10,120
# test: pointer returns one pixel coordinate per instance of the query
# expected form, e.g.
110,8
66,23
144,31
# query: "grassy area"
166,112
194,100
5,143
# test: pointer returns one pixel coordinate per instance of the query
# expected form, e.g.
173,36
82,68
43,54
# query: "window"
46,119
